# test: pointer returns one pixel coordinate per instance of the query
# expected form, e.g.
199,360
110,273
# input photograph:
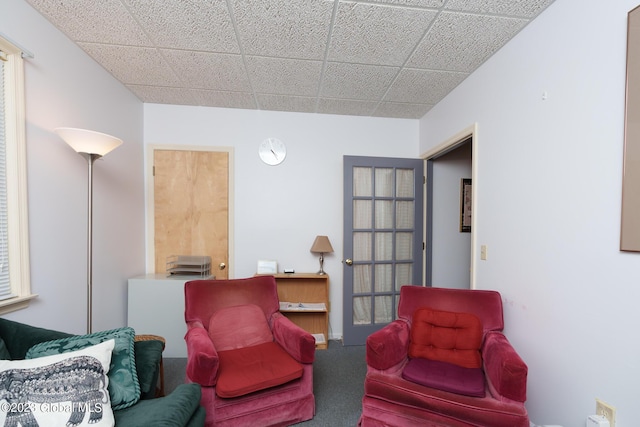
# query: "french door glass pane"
404,214
404,273
362,246
404,183
404,246
362,184
361,279
384,182
384,247
383,308
384,279
361,214
384,214
362,310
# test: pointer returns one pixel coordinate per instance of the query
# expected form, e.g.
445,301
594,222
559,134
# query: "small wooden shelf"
304,299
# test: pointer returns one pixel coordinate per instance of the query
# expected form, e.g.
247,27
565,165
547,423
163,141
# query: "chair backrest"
202,298
487,305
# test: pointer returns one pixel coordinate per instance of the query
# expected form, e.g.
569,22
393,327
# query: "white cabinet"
156,306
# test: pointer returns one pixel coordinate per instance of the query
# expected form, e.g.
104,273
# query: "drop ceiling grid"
385,58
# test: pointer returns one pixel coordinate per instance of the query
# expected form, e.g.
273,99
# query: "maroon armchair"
444,362
254,365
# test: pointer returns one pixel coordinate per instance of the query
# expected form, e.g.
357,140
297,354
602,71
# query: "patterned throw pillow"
124,388
58,390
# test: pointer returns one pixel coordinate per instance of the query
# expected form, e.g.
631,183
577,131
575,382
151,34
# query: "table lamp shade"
321,245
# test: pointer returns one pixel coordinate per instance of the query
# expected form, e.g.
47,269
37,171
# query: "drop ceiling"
381,58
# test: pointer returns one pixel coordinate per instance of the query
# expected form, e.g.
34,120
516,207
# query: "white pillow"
63,389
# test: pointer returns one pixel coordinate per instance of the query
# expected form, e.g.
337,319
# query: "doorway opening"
449,247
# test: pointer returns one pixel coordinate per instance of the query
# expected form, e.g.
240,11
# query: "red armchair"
392,400
254,365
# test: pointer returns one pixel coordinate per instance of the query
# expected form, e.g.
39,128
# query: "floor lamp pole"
91,158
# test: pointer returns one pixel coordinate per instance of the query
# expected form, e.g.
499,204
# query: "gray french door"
383,246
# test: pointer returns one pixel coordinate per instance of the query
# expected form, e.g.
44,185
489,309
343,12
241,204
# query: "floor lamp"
90,145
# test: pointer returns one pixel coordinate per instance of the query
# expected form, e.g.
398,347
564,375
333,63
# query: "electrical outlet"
608,411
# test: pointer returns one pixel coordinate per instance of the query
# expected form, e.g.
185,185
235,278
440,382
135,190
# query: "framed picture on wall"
465,205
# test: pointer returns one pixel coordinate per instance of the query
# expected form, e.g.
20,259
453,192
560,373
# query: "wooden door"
191,207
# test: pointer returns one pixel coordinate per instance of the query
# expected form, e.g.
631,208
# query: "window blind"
5,283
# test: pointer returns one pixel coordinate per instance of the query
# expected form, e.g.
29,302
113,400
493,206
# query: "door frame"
149,209
446,146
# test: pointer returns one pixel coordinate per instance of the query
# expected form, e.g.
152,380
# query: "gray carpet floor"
338,384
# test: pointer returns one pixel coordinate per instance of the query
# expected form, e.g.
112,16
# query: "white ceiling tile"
283,28
423,86
522,8
133,65
434,4
401,110
284,76
356,81
105,21
204,70
348,107
461,41
223,99
383,58
376,34
196,24
302,104
163,95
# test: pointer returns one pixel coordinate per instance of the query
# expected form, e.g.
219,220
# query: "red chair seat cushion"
446,337
445,376
245,370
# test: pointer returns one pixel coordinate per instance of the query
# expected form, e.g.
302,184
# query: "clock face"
272,151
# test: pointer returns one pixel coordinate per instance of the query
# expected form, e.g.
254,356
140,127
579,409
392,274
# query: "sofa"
179,408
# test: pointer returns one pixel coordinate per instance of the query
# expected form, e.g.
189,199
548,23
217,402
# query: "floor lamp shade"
88,141
90,145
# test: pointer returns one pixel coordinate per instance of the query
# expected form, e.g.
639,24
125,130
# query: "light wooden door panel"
191,206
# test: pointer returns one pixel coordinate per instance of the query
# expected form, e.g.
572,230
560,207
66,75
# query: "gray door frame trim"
441,149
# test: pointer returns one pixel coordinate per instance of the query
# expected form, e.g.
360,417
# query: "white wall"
65,87
279,210
548,190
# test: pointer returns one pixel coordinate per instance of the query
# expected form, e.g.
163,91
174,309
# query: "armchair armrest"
299,343
202,357
388,346
505,371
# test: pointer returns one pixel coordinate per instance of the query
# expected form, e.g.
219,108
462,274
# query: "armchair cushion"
446,337
445,376
239,326
124,388
245,370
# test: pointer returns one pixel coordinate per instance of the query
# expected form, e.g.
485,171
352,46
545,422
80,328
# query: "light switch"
483,252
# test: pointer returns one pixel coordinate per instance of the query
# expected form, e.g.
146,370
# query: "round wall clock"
272,151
